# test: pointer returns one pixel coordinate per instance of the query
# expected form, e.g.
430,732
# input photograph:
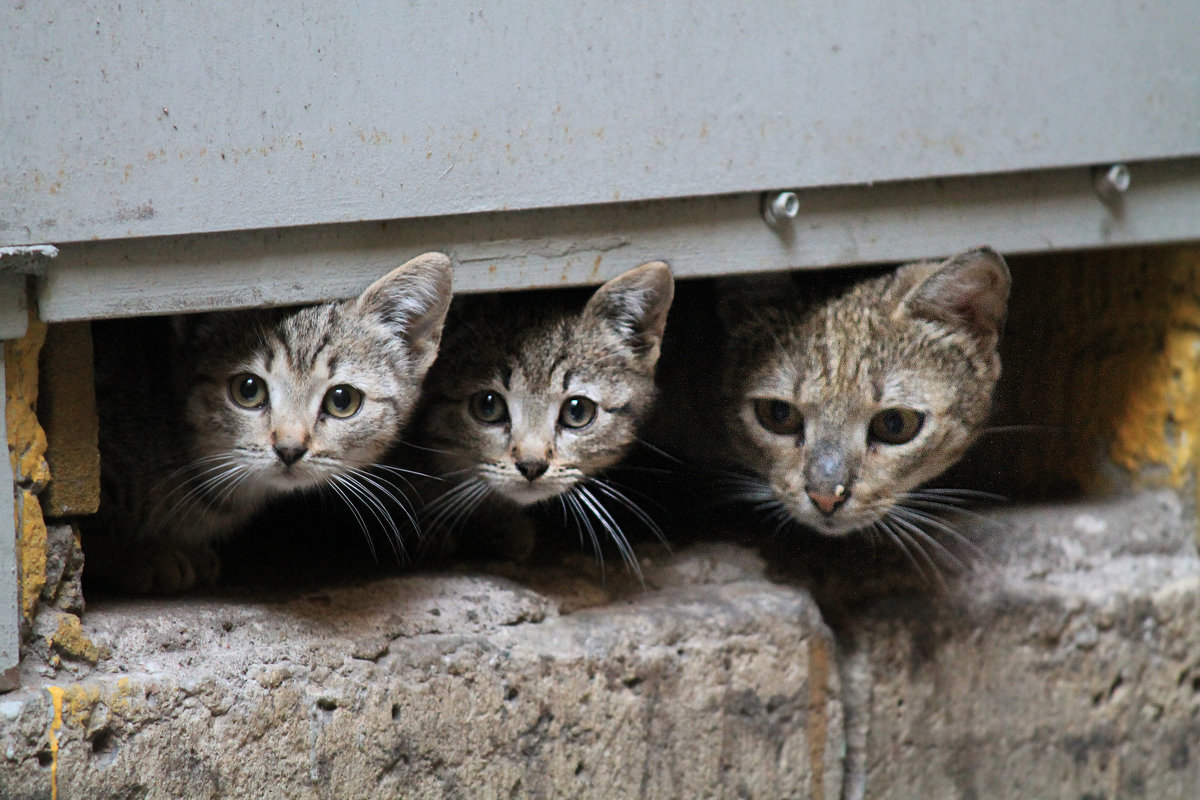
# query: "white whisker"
916,515
624,501
610,525
362,523
920,536
901,540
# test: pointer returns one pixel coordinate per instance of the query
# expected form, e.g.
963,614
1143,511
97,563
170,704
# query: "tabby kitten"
534,396
833,407
204,424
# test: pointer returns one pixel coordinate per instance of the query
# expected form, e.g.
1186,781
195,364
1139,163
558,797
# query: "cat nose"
290,453
828,503
532,468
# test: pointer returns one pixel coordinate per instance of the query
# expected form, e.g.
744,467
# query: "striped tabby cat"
534,397
205,422
831,403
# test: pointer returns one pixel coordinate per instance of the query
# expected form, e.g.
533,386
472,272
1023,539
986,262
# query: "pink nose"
827,503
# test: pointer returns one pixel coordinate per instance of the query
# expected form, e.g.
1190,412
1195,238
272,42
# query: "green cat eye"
489,407
577,412
342,401
895,425
779,417
248,390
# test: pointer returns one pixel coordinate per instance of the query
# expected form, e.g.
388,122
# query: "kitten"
534,396
204,425
830,408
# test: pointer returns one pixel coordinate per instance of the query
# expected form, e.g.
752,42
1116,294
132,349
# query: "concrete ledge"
1067,665
1069,668
710,683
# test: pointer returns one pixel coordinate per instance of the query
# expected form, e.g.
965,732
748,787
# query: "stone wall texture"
710,682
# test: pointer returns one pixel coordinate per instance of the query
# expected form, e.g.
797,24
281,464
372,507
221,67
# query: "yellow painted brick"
1102,357
70,640
27,448
26,439
67,410
32,530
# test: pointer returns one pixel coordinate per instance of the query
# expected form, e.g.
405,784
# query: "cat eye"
489,407
342,401
577,412
248,390
895,425
779,417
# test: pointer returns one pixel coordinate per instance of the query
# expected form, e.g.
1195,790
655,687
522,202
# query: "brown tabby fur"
536,351
184,466
922,338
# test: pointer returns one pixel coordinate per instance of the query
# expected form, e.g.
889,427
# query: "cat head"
287,399
841,405
533,393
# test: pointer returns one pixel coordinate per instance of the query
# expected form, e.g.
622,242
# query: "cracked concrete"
710,683
1066,664
1068,667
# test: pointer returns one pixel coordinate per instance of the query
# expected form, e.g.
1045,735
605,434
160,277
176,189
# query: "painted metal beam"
1033,212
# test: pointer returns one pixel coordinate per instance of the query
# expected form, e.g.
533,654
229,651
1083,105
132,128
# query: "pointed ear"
968,291
634,307
412,300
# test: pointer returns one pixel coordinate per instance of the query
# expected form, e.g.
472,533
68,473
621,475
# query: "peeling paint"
71,641
27,450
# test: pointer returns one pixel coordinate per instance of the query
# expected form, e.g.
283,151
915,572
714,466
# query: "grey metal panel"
1049,210
14,314
10,610
142,118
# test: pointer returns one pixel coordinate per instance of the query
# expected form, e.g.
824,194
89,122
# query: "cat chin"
835,525
527,494
290,480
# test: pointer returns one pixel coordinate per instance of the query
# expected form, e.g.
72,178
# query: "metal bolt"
780,206
1111,180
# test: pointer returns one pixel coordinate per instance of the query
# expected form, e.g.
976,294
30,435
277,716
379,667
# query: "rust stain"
818,724
373,136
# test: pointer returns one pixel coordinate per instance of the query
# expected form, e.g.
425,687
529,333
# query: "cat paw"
176,569
155,569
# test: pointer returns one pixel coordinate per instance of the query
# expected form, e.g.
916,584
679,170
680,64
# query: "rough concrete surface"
711,682
1067,667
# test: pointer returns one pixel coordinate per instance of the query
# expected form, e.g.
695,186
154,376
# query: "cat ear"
969,290
634,306
412,300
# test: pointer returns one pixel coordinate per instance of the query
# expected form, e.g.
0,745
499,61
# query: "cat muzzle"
829,503
290,454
